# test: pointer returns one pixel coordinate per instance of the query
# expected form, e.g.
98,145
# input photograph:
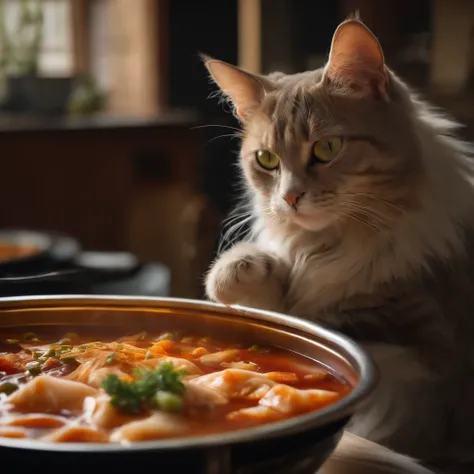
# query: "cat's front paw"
247,275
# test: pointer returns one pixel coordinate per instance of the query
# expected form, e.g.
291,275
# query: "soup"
85,388
10,251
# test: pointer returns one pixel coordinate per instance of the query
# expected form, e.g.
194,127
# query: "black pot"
53,251
94,273
38,95
296,446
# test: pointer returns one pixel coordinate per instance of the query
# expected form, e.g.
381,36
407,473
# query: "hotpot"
298,445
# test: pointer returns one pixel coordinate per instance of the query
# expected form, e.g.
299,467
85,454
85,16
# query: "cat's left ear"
356,63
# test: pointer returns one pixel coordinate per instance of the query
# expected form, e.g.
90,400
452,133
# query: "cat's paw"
246,275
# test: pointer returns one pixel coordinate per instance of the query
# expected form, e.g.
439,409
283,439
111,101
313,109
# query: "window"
21,24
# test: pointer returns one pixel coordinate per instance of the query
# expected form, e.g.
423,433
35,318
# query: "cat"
362,203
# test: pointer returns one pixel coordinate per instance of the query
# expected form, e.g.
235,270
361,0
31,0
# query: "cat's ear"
245,90
356,62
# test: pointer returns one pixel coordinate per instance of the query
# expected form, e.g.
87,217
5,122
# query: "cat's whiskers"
385,218
354,208
360,220
379,199
269,212
218,126
225,135
233,227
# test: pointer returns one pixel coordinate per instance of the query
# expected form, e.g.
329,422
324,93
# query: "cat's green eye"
326,150
267,160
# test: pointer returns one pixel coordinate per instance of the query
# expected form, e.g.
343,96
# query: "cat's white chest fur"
322,275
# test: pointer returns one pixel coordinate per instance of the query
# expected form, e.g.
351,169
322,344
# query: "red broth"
188,386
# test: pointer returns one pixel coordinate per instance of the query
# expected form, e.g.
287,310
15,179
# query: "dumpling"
196,394
260,414
34,420
77,434
159,425
286,399
12,432
236,383
45,394
180,364
99,412
97,376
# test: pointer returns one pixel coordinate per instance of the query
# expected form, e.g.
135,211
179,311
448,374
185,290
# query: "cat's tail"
356,455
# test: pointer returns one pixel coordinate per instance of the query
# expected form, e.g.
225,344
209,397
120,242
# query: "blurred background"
109,141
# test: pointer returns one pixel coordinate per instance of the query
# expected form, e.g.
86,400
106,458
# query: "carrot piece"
157,350
199,351
282,377
166,345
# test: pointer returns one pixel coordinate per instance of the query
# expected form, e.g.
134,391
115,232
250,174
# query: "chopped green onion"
257,348
63,341
29,336
34,368
50,353
13,341
111,359
8,388
169,402
70,361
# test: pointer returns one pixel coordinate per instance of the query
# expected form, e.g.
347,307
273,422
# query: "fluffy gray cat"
363,209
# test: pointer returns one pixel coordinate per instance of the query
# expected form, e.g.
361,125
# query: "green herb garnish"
169,402
141,393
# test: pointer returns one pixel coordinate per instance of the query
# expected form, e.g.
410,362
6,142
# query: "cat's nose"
292,198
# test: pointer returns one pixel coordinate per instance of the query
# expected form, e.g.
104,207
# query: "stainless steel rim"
333,413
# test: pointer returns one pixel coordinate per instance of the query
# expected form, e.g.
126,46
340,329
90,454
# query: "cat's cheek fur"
247,275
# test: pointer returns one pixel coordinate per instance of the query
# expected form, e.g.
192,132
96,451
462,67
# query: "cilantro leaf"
139,394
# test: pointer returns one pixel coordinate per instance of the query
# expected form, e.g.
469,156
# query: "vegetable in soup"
151,386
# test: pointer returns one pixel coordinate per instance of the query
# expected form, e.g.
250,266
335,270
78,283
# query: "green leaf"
141,393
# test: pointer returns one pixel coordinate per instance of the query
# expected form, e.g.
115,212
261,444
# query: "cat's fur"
379,246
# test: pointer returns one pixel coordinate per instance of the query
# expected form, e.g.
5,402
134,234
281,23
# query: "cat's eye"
267,160
324,151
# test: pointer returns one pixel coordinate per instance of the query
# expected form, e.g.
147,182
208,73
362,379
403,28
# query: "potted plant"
20,47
